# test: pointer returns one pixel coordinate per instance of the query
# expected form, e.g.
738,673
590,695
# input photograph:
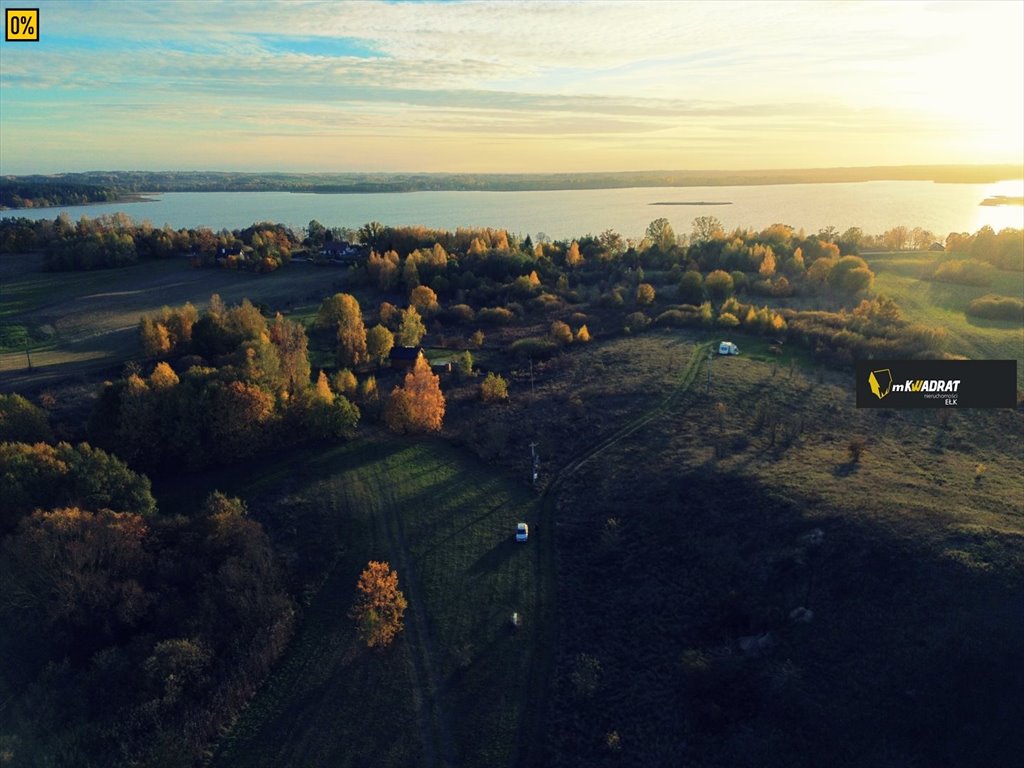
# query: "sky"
507,87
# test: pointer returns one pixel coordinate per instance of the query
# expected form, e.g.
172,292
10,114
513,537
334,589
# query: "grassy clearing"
944,305
452,689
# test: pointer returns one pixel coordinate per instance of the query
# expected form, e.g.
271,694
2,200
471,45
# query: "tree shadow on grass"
846,469
493,559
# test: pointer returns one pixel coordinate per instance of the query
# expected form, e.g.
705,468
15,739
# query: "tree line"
27,194
115,240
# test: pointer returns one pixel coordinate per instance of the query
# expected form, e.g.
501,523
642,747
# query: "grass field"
453,688
939,304
910,562
85,322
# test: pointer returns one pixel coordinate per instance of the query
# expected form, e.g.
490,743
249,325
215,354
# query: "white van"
728,348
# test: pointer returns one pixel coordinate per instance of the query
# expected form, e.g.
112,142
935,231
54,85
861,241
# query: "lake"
874,206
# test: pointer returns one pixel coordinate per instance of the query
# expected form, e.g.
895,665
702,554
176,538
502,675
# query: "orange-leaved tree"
418,406
379,606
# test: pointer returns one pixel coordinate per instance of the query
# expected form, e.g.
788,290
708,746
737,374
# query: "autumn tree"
561,332
494,388
383,269
379,606
326,414
464,364
292,346
719,284
583,335
895,239
424,299
418,405
390,315
156,341
411,330
706,228
344,382
661,234
572,256
645,294
379,342
477,339
851,274
341,312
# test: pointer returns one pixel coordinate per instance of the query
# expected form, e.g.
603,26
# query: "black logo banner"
936,383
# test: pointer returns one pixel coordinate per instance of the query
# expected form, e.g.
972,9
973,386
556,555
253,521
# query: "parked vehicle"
522,532
728,348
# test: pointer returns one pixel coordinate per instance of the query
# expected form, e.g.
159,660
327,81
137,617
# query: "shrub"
645,294
675,318
997,307
636,321
494,388
495,316
461,313
533,346
560,333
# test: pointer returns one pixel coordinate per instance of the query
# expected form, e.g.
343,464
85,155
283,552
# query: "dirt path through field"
527,749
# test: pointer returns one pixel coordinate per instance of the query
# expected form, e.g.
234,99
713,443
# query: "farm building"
404,357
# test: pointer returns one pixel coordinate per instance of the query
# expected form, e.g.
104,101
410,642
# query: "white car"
728,348
522,532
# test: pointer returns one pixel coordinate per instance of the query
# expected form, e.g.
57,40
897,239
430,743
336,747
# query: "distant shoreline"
132,186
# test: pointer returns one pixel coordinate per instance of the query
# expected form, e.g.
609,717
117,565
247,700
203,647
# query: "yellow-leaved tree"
418,406
379,606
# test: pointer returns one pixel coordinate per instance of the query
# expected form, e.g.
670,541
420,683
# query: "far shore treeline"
37,191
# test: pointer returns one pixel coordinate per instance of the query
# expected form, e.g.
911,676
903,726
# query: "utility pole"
27,355
535,459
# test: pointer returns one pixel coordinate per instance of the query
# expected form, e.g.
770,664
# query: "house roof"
405,353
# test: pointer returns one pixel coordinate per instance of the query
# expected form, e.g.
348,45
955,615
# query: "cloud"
747,73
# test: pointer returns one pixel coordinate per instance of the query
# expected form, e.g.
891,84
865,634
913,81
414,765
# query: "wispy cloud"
761,77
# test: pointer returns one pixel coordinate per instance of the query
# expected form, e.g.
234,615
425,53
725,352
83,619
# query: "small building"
404,358
343,251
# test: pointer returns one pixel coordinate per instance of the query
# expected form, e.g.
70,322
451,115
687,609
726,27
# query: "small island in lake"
694,202
1002,200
